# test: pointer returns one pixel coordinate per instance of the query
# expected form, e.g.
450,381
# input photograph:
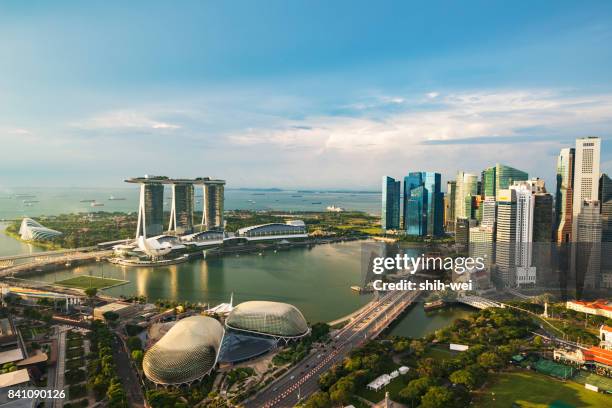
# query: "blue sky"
297,94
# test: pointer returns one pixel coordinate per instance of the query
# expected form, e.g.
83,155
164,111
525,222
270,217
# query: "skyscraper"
451,188
181,211
488,182
423,208
564,196
505,176
466,185
390,215
525,204
411,181
605,199
415,210
213,199
435,207
506,236
587,254
586,173
150,205
462,233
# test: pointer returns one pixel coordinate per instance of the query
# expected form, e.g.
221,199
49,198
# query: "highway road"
301,380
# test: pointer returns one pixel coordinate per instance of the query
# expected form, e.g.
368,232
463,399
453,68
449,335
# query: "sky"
298,94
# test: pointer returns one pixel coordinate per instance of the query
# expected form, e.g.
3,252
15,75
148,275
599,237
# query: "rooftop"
14,378
167,180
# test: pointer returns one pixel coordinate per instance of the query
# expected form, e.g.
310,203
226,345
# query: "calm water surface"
418,323
316,280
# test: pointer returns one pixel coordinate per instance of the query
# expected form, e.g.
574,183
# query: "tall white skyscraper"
586,173
525,205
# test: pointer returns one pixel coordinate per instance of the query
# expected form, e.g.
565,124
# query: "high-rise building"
462,233
525,204
435,207
505,176
605,188
150,205
482,242
415,210
586,173
181,211
587,253
488,182
605,199
466,185
213,200
390,215
564,196
423,208
451,188
505,258
489,211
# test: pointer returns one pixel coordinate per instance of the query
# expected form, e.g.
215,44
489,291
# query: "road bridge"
301,380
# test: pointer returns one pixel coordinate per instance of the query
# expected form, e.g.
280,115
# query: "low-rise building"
121,308
599,307
605,337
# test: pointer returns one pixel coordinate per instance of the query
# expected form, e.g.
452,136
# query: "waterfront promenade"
301,380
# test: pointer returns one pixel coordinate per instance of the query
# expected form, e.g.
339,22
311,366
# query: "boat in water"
95,204
333,208
437,304
113,198
88,200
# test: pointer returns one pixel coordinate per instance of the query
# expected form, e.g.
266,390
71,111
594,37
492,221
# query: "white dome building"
273,319
186,353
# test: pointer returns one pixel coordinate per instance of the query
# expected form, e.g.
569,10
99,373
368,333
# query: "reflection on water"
11,246
316,280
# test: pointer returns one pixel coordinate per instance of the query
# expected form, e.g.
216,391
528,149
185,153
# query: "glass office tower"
488,182
415,208
505,176
423,207
390,214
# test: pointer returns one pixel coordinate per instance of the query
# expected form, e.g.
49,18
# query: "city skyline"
295,105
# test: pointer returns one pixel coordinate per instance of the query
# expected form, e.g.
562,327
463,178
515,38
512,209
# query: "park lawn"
533,390
440,353
84,282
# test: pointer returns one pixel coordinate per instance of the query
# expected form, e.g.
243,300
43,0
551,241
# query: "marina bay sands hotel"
151,205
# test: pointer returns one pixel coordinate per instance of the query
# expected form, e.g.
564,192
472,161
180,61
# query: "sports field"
529,389
84,282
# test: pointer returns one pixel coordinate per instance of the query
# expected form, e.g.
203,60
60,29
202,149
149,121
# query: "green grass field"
533,390
84,282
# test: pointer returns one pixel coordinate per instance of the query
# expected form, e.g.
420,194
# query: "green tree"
134,343
414,390
490,361
438,397
464,377
318,400
137,356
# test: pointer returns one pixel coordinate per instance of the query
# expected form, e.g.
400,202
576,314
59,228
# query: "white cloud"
464,131
124,119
